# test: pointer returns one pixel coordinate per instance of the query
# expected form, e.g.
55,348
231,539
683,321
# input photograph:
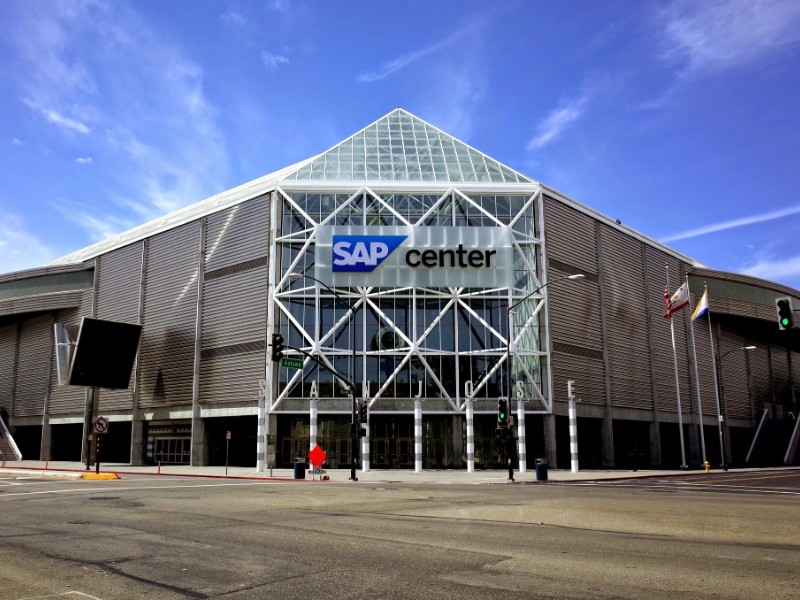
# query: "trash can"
541,469
299,469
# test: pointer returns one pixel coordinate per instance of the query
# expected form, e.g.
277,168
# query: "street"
151,537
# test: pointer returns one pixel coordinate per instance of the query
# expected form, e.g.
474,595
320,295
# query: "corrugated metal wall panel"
760,380
705,365
33,370
232,378
574,307
235,308
570,236
779,357
735,383
662,355
587,372
627,344
237,234
66,399
170,308
118,282
8,355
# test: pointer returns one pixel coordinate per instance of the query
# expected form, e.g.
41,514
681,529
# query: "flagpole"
696,379
677,382
716,390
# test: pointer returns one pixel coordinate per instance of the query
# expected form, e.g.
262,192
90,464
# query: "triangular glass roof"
402,147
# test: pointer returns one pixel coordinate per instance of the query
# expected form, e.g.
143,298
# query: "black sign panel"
104,354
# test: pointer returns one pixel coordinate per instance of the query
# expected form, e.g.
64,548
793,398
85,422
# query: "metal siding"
779,358
167,348
66,399
735,375
760,380
628,344
574,308
118,284
8,353
33,369
232,378
235,308
237,234
705,366
570,236
662,356
587,373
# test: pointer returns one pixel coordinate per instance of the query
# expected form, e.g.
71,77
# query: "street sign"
317,456
101,425
292,363
227,435
270,438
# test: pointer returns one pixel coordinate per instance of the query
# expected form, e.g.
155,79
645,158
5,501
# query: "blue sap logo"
363,253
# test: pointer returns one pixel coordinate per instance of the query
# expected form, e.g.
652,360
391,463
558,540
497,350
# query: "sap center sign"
388,256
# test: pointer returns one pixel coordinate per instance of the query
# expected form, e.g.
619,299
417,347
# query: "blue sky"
680,118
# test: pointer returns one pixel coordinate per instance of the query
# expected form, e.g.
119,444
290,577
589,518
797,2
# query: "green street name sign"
292,363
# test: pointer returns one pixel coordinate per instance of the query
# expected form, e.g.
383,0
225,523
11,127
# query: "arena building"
394,266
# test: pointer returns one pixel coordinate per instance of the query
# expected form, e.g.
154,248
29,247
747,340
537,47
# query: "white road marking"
94,490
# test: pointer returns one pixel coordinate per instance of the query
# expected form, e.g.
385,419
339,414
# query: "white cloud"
403,61
143,97
19,248
16,141
557,121
84,160
733,223
713,36
273,61
56,118
774,270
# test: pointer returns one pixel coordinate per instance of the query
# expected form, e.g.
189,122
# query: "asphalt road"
143,537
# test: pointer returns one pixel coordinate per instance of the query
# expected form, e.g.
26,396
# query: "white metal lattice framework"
463,338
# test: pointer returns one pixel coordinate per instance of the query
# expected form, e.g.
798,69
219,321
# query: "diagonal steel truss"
529,359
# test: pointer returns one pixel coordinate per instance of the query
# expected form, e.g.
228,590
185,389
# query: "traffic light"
277,347
362,413
502,412
785,314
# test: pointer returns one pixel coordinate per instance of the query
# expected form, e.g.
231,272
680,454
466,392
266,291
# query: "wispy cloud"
558,120
56,118
712,36
84,160
734,223
16,141
19,248
775,270
273,61
138,99
413,56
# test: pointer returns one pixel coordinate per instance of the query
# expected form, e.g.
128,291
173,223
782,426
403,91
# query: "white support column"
470,436
417,435
573,427
312,438
365,449
523,458
261,433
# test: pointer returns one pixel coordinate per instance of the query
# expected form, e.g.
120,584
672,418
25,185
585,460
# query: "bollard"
159,468
707,466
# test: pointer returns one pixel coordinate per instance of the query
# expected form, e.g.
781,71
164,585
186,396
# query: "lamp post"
351,307
509,318
721,401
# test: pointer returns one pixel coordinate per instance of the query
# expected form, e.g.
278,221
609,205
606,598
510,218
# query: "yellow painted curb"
99,476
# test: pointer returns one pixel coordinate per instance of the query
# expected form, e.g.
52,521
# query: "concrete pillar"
549,433
522,443
470,437
655,443
417,435
607,442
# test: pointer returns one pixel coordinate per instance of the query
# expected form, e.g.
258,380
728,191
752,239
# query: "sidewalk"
440,476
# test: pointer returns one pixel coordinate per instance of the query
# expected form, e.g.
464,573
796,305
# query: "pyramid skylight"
401,147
